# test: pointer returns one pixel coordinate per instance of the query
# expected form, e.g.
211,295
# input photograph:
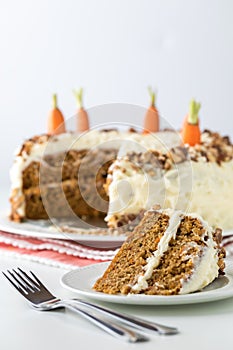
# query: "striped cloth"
54,252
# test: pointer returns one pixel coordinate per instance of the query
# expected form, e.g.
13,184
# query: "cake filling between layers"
163,246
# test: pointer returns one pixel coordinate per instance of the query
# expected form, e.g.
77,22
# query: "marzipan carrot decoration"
191,133
186,120
56,122
82,116
151,119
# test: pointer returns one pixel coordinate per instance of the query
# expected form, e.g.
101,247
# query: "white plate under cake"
80,281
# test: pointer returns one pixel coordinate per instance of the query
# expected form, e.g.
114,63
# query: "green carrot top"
194,108
54,101
79,97
152,96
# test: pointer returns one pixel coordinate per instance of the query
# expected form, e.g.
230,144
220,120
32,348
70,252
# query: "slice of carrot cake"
169,252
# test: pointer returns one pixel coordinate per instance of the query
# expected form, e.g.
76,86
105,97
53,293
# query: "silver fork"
132,321
41,299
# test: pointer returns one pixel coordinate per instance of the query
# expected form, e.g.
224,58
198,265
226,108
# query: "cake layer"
61,201
66,183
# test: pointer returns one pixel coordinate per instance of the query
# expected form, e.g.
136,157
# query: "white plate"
45,229
81,281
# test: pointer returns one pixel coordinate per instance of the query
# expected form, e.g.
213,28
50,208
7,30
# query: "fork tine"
39,282
21,284
19,289
29,286
36,283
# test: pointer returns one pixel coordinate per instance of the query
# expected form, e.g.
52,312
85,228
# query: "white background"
114,49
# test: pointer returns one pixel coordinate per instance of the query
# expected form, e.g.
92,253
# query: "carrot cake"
168,253
116,176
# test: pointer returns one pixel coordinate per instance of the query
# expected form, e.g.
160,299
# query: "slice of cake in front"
168,253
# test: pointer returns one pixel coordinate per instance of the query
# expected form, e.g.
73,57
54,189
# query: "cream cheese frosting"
205,269
203,187
212,193
131,189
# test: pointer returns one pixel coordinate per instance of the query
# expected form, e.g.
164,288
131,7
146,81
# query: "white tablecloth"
202,326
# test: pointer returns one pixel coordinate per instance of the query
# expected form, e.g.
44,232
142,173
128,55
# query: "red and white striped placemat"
54,252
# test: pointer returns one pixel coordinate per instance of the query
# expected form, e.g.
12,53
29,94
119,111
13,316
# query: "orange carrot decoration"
186,120
82,116
151,119
56,123
191,133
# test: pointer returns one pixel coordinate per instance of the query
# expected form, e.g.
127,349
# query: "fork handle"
130,320
110,327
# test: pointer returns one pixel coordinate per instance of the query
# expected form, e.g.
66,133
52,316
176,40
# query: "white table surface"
202,326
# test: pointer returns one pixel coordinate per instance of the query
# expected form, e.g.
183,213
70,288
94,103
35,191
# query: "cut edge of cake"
31,155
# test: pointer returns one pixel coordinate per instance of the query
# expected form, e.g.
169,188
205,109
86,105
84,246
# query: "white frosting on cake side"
203,187
154,260
205,267
205,272
132,189
212,193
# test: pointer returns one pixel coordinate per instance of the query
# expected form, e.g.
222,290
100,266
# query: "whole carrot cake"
168,253
118,175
